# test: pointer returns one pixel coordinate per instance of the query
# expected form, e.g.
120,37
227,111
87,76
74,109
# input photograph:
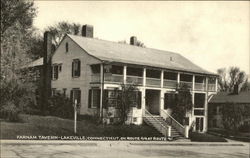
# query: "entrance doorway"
199,124
153,101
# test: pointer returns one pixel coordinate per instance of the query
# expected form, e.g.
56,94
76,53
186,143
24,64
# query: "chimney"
46,74
236,89
133,40
87,31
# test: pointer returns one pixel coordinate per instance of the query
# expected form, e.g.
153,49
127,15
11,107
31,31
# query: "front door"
199,124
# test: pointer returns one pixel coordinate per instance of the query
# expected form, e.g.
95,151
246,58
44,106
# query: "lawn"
33,125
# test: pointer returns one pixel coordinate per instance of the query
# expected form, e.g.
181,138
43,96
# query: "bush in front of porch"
205,137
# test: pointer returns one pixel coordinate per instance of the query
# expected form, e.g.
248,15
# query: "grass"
205,137
33,125
241,136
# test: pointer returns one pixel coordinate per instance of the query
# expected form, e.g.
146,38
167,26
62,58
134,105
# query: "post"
162,78
186,131
193,83
144,77
216,84
124,74
102,84
75,115
178,78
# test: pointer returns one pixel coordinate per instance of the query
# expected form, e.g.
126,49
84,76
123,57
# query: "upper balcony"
116,74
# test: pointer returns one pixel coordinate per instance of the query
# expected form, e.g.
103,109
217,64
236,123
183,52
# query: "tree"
59,29
234,77
183,103
16,28
126,99
16,11
232,115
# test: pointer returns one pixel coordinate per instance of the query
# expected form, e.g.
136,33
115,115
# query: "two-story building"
89,69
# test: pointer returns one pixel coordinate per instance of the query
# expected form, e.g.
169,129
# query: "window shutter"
105,99
165,100
139,99
90,98
78,68
79,97
56,71
73,69
98,97
71,96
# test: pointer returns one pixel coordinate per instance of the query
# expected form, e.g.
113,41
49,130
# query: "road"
122,149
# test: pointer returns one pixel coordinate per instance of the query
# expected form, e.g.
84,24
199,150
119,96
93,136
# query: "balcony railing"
153,82
200,86
169,83
113,78
190,84
211,87
137,80
95,78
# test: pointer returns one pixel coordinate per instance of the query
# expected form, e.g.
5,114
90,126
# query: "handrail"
134,76
155,119
173,119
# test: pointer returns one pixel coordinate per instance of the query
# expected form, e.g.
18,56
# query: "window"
199,112
54,72
95,69
64,91
199,100
94,98
75,95
170,100
67,47
53,92
76,68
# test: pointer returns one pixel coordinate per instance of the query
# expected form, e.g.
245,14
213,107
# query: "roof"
125,53
223,97
37,62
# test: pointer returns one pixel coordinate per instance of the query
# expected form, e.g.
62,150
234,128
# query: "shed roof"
125,53
224,97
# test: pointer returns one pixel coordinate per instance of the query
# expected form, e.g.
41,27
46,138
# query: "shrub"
61,106
10,112
204,137
244,128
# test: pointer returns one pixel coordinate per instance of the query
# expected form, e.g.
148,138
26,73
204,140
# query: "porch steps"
152,121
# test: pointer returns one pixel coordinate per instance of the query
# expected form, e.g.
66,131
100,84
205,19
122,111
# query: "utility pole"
75,115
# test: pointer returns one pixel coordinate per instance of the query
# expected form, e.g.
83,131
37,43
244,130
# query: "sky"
212,34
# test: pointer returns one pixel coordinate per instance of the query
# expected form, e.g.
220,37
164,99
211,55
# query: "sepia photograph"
118,79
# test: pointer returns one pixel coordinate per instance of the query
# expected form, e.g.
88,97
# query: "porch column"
193,81
178,78
206,84
162,78
162,100
143,101
206,112
124,74
216,84
144,77
102,85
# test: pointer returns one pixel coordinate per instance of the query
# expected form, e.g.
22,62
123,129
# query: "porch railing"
190,84
113,78
200,86
151,120
153,82
95,78
211,87
169,83
179,127
137,80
